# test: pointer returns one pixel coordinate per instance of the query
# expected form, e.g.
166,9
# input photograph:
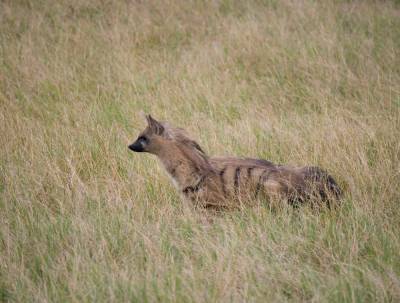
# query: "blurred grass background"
294,82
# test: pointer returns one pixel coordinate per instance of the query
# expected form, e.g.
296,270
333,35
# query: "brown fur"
226,182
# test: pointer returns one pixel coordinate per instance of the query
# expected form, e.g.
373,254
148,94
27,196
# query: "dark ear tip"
149,118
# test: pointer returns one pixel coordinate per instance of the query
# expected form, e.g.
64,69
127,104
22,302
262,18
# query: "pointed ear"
149,119
154,125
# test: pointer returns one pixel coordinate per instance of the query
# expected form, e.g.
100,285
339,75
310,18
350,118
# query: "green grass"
295,82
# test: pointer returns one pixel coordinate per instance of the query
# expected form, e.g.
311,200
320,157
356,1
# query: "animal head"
151,138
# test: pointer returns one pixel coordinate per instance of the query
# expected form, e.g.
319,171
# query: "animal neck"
186,166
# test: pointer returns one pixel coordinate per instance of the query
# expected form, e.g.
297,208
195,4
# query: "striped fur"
226,182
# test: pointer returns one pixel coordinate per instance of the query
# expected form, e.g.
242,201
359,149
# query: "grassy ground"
295,82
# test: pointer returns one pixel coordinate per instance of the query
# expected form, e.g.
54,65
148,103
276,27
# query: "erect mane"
188,146
180,135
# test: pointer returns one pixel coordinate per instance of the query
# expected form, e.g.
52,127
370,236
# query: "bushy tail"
325,184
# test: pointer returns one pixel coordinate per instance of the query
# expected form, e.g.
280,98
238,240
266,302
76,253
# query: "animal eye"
143,138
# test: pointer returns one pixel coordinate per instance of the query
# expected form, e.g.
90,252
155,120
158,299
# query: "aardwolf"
227,182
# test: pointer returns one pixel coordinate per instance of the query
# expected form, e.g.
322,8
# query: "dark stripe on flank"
263,177
221,177
236,182
258,188
249,170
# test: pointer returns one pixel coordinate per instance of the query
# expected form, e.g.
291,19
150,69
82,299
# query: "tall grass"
295,82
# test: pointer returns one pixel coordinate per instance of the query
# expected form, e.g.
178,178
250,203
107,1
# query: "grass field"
82,219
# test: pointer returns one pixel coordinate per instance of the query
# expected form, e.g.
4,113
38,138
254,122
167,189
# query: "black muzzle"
136,147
